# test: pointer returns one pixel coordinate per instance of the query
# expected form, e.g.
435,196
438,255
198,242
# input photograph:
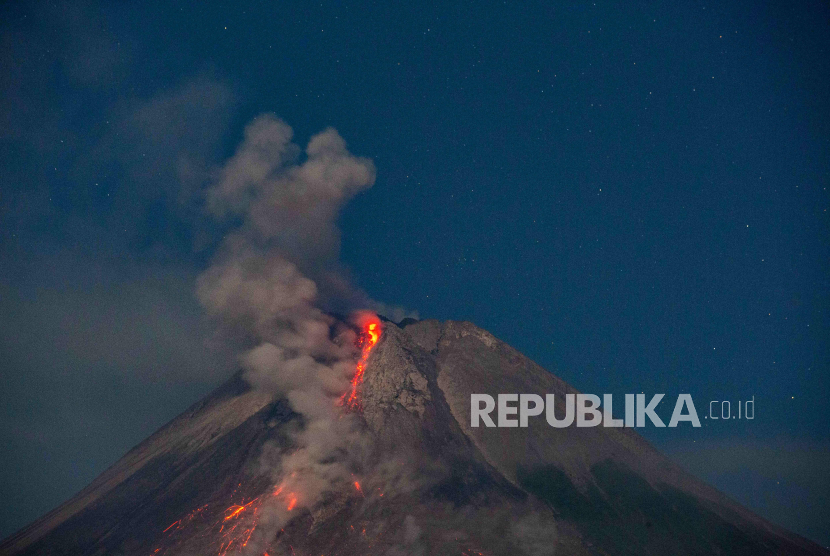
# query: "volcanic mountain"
428,483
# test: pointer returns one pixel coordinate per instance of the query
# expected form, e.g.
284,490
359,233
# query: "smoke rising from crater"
290,208
274,279
273,274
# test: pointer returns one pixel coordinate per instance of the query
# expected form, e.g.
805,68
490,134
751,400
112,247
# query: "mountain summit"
419,480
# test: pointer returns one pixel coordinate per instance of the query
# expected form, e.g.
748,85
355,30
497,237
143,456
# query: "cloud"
92,315
165,145
96,353
99,212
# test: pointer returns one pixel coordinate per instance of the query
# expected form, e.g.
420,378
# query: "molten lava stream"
236,527
367,339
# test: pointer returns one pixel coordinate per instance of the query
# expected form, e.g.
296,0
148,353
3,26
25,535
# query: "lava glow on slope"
366,340
235,528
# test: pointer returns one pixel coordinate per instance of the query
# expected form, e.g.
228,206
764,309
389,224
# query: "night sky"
635,196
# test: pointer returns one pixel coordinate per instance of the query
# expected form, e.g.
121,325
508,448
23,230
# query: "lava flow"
367,339
235,528
238,522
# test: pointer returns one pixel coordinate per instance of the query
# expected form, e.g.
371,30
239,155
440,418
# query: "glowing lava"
239,521
236,527
366,341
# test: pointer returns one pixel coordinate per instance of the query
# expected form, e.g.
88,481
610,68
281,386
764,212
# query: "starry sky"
632,194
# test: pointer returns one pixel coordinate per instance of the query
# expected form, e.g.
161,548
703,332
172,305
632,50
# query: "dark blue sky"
635,196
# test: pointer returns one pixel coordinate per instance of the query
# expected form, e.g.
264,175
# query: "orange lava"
239,532
234,529
240,520
236,510
366,341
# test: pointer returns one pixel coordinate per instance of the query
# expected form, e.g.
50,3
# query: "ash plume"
289,208
270,287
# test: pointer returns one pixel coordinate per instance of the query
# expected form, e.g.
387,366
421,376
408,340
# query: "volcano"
429,484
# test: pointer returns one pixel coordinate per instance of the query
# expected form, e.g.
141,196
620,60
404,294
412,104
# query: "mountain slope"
428,483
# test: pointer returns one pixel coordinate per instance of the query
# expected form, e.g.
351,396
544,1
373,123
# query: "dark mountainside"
427,485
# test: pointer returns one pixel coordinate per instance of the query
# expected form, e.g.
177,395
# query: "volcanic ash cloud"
266,283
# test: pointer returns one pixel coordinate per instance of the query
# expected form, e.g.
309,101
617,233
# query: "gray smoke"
536,535
290,209
269,284
411,542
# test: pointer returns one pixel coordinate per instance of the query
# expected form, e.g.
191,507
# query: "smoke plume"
289,209
271,284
